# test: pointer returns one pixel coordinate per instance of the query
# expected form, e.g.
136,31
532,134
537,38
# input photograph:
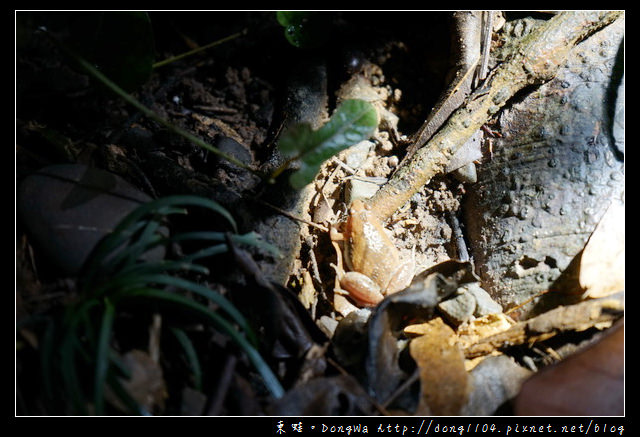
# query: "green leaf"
304,28
191,356
118,43
353,121
102,356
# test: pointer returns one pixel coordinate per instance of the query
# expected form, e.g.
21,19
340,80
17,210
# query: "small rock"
484,304
235,149
361,188
67,209
459,309
328,325
466,174
358,153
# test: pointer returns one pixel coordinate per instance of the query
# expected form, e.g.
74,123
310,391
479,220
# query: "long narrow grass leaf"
197,49
199,236
70,376
127,256
205,292
163,266
134,276
250,239
191,355
70,344
119,365
206,252
102,356
134,222
271,381
46,352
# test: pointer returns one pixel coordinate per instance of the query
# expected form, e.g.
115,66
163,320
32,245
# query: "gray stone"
67,209
357,154
458,309
233,148
484,304
361,188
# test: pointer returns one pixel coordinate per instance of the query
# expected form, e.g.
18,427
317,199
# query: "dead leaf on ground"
444,380
602,262
327,396
589,383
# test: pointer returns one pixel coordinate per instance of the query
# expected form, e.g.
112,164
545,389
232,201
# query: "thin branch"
198,49
536,60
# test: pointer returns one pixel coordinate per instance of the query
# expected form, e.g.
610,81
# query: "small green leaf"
304,28
353,121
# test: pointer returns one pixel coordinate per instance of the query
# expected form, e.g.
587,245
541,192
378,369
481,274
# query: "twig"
466,37
198,49
291,216
539,55
487,29
578,317
402,388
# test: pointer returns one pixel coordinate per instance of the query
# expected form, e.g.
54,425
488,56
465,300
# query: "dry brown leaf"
471,332
588,383
444,381
602,261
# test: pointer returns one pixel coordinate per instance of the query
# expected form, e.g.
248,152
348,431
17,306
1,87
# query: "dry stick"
578,317
536,61
466,40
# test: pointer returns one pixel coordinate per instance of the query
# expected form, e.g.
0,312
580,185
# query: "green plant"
77,345
304,29
353,121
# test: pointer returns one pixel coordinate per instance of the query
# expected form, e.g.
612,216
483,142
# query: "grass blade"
70,344
102,356
203,291
191,355
271,381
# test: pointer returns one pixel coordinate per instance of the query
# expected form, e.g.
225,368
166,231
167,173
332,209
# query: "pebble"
459,309
470,300
361,189
233,148
484,304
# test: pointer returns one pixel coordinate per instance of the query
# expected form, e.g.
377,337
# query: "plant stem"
538,57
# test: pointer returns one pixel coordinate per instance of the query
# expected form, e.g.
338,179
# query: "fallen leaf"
589,383
444,380
602,261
